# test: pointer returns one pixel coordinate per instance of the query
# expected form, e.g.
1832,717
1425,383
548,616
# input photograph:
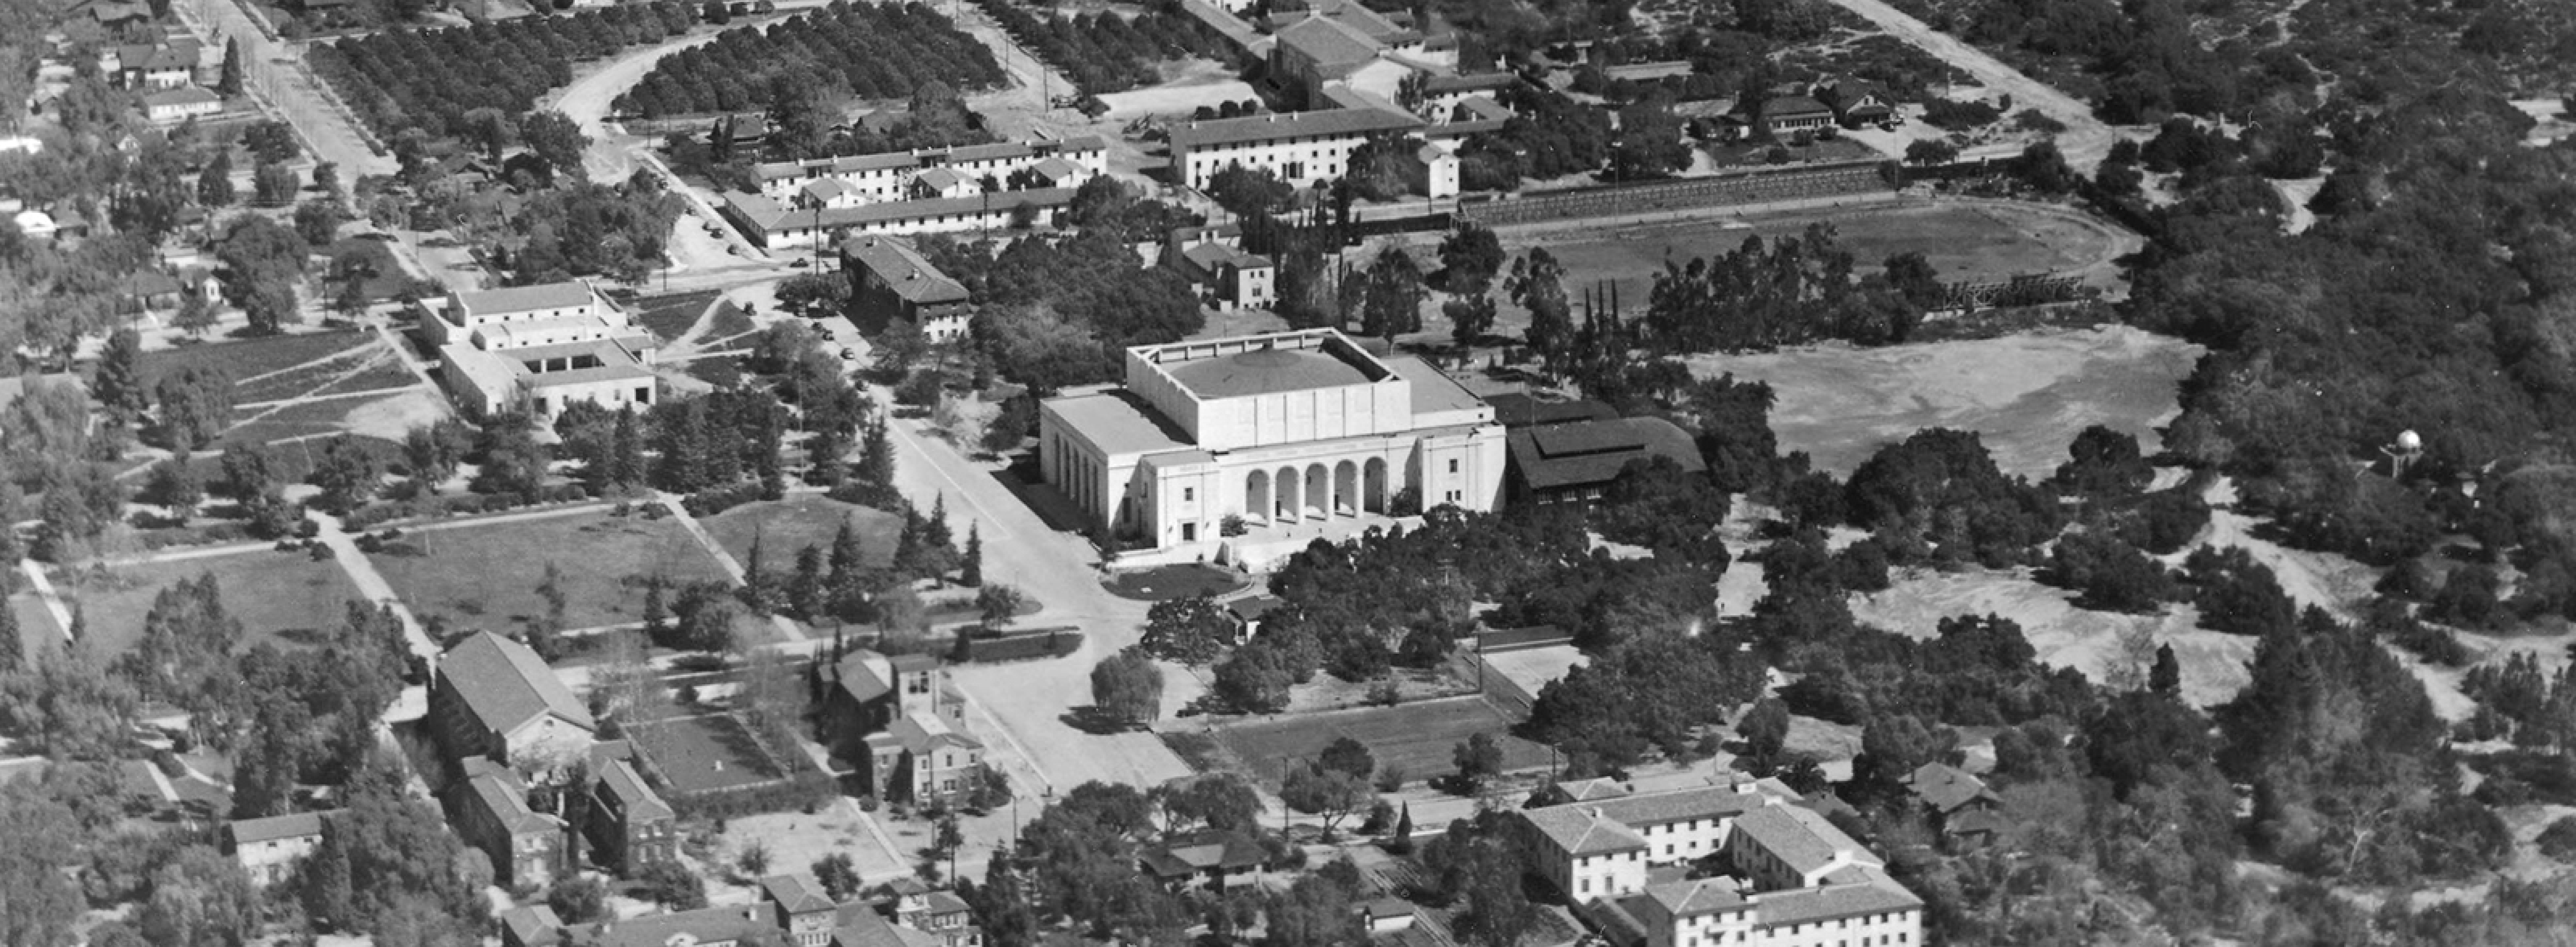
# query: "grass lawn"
487,576
669,317
35,627
277,595
2026,395
697,754
1164,583
1418,738
1759,155
248,357
383,376
801,520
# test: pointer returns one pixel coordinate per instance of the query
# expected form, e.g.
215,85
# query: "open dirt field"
2213,665
2027,394
1418,738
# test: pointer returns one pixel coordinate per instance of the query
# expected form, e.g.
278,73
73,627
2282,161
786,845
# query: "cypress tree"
13,649
972,572
230,83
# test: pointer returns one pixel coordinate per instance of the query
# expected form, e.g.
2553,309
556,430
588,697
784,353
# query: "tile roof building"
1301,148
1799,881
1279,430
890,280
883,178
1212,259
541,348
772,225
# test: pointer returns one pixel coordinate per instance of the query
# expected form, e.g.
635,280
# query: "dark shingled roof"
903,270
292,825
505,685
1514,409
1585,453
1202,851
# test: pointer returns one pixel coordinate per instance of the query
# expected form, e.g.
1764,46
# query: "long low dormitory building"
882,178
1302,148
772,225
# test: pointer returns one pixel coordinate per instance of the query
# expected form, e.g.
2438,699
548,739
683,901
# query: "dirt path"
586,101
2086,139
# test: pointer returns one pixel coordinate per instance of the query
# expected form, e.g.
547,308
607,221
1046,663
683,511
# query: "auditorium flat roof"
1265,372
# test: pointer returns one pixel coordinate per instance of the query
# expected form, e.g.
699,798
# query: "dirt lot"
2027,394
2213,665
1419,738
699,754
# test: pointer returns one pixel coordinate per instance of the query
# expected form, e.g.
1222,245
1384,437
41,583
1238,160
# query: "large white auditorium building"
1283,430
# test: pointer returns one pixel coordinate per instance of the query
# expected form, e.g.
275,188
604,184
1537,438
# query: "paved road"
362,573
2086,139
1024,703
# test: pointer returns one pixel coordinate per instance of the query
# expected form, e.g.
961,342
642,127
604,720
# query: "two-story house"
630,826
934,911
489,810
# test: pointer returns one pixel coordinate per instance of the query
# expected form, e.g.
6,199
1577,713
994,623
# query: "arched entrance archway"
1284,504
1346,488
1373,491
1319,491
1256,496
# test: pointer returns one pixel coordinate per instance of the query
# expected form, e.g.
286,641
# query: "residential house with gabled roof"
269,849
803,911
492,697
934,911
1959,803
1854,102
1211,859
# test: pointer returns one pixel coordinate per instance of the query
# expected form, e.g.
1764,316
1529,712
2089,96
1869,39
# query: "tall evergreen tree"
626,450
971,573
876,454
13,647
230,82
119,384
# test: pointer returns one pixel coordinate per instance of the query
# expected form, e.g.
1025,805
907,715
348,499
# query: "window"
1189,493
1453,465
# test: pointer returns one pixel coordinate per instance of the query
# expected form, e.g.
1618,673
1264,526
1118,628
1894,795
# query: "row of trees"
860,50
430,79
1108,52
